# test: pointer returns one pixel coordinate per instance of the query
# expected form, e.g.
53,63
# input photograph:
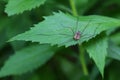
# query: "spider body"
77,35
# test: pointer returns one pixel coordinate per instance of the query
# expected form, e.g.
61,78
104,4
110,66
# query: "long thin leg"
76,24
89,36
92,34
53,34
79,42
67,41
86,26
94,30
68,28
99,24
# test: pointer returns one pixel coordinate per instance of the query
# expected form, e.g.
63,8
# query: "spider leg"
53,34
66,41
79,42
86,26
94,31
76,24
71,29
88,37
96,28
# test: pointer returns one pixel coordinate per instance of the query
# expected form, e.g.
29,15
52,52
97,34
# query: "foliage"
97,50
49,47
15,7
58,32
26,59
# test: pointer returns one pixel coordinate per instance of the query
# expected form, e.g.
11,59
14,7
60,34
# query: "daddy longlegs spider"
77,34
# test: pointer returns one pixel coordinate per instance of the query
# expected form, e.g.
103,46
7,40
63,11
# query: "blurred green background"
64,65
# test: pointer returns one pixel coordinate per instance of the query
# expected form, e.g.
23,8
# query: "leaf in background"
3,24
17,24
81,5
19,6
27,59
116,38
71,71
97,50
110,2
114,51
109,8
55,29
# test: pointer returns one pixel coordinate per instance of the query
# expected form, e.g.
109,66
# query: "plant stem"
81,49
82,60
72,4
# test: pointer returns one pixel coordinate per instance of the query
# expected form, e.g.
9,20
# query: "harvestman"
76,34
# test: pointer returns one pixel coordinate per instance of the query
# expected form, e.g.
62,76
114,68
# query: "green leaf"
97,50
27,59
70,70
18,6
56,29
114,51
116,38
81,5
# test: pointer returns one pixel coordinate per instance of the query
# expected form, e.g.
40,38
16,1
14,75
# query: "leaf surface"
18,6
59,29
97,50
114,51
26,60
116,38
